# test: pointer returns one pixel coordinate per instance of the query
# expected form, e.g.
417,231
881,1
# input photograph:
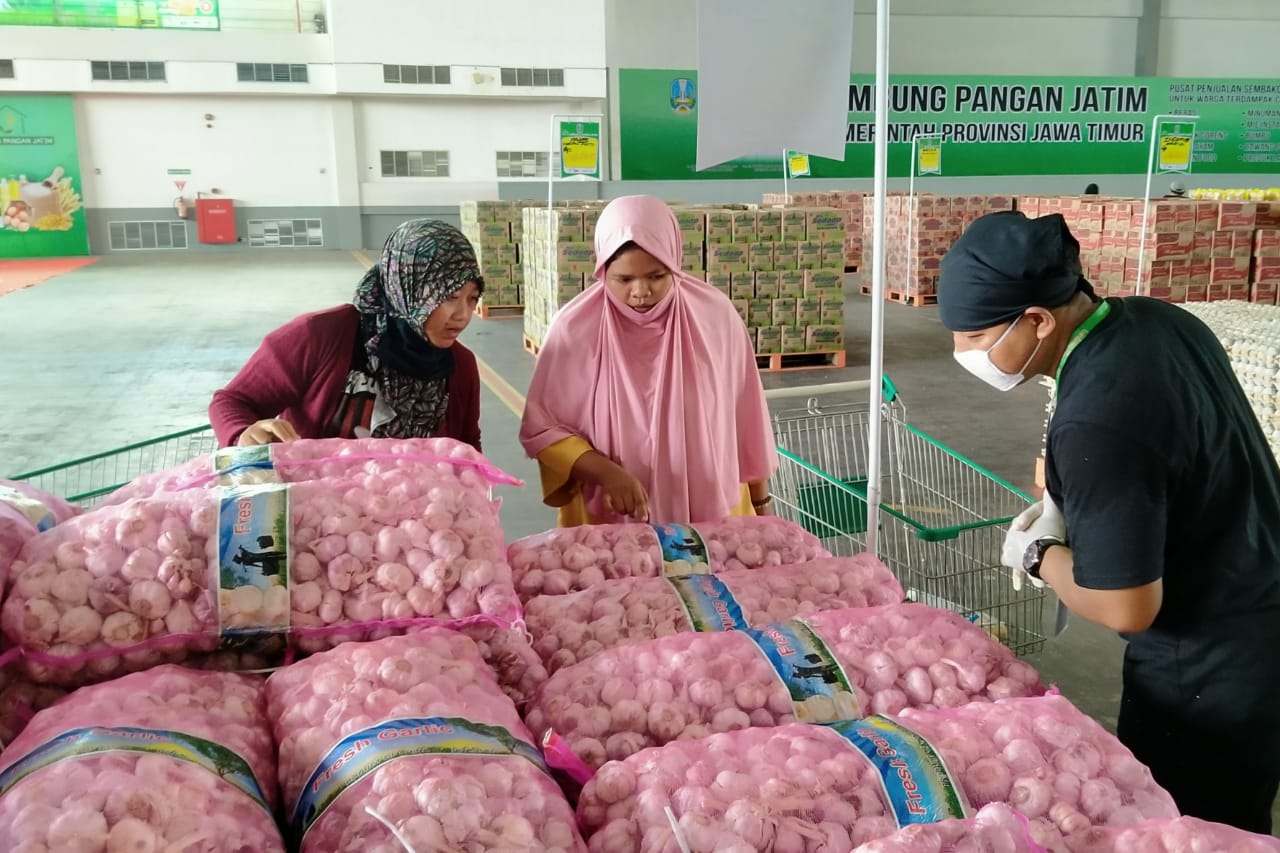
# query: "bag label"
38,514
253,566
76,743
708,603
819,688
915,779
683,550
243,466
360,753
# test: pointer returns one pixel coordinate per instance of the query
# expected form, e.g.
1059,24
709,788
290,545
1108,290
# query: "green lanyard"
1077,338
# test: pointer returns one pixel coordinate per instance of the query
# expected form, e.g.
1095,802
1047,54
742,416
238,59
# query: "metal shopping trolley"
87,480
942,518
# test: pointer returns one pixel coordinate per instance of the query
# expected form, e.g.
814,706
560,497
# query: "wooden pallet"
531,346
918,300
496,312
779,362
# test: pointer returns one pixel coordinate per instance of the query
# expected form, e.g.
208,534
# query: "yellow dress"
559,490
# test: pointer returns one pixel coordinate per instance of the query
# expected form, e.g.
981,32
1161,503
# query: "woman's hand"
761,499
267,431
625,495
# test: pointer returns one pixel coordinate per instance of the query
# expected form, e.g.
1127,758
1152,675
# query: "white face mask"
979,363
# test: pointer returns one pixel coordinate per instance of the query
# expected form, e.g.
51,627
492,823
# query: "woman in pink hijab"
646,403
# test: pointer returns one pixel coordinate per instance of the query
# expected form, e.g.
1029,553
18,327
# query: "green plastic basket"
835,506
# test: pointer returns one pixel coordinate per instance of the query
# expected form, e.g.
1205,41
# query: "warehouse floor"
132,347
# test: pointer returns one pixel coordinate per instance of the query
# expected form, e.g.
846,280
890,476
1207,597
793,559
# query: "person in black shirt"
1169,527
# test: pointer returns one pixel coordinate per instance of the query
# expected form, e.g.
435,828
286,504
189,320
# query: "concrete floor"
133,347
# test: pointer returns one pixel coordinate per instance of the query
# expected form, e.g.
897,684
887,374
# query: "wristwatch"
1035,552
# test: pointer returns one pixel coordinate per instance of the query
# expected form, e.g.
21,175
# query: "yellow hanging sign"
579,149
798,164
929,158
1175,152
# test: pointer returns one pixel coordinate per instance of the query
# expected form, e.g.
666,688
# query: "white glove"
1038,521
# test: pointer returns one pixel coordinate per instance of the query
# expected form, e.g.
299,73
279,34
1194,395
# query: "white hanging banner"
771,78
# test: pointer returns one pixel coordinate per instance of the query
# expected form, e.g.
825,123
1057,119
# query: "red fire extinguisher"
180,206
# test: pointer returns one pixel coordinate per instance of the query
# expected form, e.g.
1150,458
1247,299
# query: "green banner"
989,125
146,14
41,213
580,149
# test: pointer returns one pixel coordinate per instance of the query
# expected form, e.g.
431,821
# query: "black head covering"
1004,264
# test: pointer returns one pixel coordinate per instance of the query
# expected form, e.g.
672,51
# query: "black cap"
1004,264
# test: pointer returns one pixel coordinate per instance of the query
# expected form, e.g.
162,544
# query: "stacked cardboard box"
494,229
782,268
559,259
919,230
1196,251
848,202
1264,287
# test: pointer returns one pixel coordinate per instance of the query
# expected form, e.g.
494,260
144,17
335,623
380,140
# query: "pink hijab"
672,395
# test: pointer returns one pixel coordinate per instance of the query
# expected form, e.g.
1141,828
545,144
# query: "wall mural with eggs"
41,212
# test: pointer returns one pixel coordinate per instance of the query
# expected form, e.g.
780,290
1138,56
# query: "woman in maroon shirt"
389,365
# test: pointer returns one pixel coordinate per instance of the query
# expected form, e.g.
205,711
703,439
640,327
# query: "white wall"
472,131
926,36
260,151
541,34
1225,38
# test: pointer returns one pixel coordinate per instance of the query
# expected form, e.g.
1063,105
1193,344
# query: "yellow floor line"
502,389
510,397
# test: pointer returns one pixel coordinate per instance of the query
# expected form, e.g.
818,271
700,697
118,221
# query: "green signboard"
989,125
580,149
147,14
41,214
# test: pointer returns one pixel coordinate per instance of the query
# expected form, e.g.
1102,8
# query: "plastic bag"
317,562
313,459
575,558
994,827
1180,835
20,699
570,628
170,759
372,736
849,783
1055,765
832,665
24,512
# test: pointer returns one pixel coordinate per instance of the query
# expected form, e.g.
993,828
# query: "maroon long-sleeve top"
299,373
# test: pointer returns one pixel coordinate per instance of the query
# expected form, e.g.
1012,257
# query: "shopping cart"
942,518
87,480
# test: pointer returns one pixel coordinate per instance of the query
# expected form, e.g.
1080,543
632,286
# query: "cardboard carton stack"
919,231
1265,285
848,202
1196,250
558,255
494,229
783,267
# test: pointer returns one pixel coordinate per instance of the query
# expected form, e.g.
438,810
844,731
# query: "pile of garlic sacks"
725,687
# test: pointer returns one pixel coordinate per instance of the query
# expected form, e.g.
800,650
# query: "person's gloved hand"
1040,520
